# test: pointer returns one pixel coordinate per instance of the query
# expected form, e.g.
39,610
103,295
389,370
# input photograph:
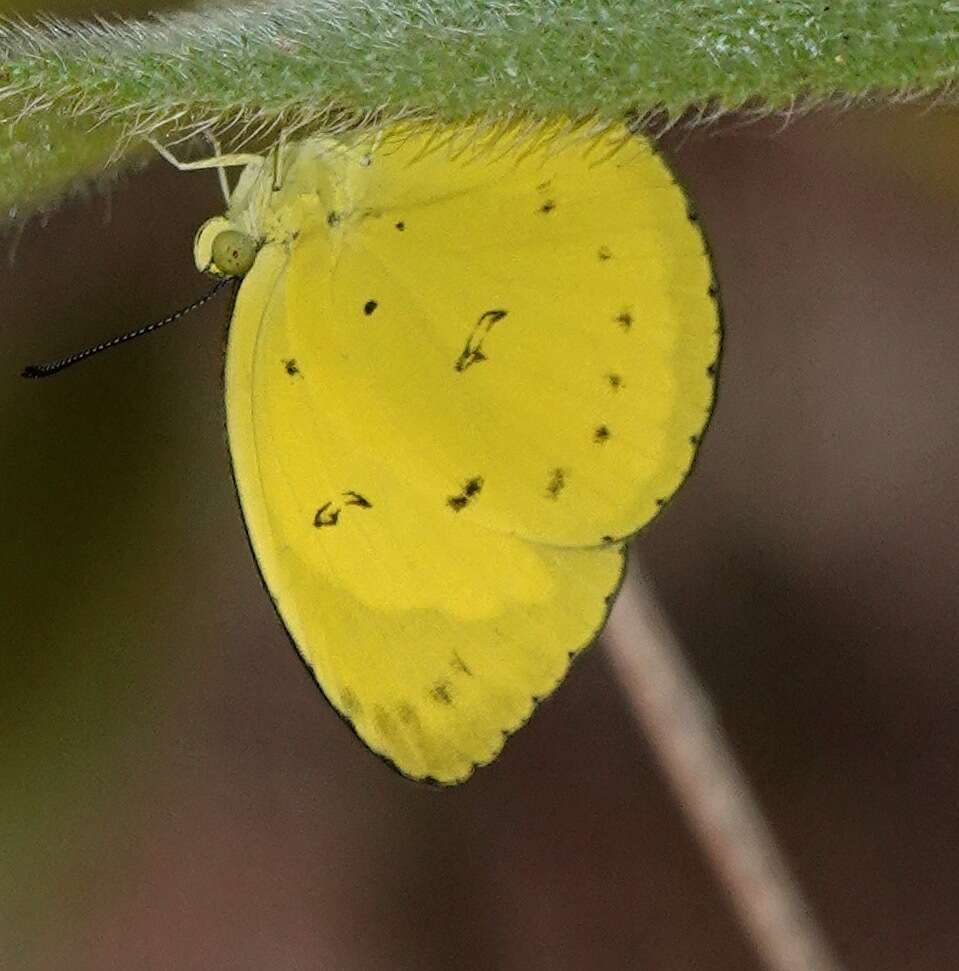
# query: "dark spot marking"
556,484
615,381
458,664
604,253
693,439
290,367
660,503
332,218
711,370
713,290
625,320
441,693
401,225
407,714
548,206
326,516
329,515
691,214
473,352
607,540
383,721
474,357
351,704
369,307
471,489
601,435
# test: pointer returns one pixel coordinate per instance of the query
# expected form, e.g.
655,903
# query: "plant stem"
697,759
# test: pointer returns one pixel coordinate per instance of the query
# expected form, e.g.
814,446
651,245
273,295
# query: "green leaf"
81,95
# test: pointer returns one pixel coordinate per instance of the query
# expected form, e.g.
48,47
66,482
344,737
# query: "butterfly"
464,365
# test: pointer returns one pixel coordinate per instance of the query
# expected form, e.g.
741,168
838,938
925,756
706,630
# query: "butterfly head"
293,190
223,250
233,252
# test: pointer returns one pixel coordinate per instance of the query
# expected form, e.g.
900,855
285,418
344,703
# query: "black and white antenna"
45,370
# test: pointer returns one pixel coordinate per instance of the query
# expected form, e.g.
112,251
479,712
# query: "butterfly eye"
233,252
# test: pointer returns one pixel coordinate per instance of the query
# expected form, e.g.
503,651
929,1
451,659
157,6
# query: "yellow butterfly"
463,367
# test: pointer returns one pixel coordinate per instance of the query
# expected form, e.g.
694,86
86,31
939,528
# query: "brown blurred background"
174,793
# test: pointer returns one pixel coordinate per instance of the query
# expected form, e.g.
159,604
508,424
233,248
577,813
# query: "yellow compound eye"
233,252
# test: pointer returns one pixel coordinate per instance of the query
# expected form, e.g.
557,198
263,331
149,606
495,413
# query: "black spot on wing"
332,218
383,721
369,307
291,367
604,253
471,489
401,225
458,664
472,353
601,434
615,381
442,692
556,483
355,499
326,515
548,206
351,704
329,515
625,319
469,357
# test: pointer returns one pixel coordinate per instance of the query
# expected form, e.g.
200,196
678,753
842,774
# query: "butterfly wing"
446,405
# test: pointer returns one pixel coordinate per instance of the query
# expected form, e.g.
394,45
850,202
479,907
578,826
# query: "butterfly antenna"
45,370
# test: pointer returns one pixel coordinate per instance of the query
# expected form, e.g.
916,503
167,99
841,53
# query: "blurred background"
174,793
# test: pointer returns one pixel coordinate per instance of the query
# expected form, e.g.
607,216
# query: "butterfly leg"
220,170
216,162
276,152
